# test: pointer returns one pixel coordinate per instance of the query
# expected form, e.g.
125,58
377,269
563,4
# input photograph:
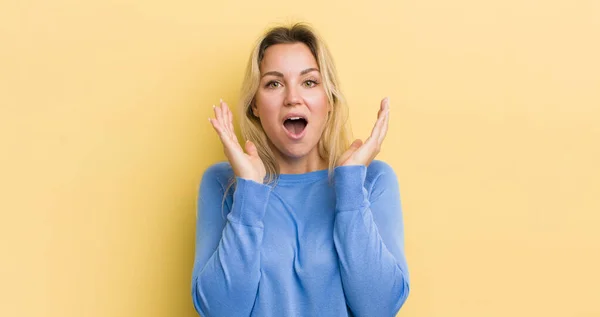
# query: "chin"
295,151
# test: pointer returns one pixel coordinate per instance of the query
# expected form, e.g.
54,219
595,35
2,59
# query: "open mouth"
295,125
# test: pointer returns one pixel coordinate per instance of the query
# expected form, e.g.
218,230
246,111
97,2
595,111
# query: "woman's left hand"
361,153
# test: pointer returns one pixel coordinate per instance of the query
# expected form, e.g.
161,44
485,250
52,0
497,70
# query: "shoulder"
381,177
378,169
220,169
219,173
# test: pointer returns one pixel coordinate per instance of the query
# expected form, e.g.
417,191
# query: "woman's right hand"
245,165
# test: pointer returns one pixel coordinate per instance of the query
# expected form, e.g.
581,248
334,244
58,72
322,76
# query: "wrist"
252,178
349,187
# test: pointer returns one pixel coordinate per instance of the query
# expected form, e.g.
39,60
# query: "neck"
300,165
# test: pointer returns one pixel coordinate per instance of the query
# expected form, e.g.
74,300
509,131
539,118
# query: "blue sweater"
302,247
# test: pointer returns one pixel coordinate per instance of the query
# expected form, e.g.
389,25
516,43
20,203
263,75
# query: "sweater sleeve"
226,270
369,239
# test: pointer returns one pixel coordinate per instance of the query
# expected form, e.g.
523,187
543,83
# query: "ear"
254,109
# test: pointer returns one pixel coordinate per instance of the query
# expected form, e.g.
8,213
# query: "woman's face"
291,102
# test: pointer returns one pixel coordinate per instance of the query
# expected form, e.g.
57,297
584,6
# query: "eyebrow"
278,74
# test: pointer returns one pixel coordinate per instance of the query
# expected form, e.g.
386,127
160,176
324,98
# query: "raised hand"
363,154
245,165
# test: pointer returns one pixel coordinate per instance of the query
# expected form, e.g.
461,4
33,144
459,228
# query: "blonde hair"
336,135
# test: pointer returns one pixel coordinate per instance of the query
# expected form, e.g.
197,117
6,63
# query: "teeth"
295,118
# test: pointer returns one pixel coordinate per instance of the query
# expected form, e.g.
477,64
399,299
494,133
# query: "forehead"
287,58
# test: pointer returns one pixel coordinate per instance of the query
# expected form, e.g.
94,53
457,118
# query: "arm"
369,239
227,261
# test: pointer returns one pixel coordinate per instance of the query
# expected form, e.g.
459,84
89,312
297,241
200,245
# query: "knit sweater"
302,246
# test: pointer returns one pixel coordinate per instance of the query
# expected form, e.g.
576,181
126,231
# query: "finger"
342,160
215,123
230,120
230,124
229,145
384,129
381,111
376,132
218,114
251,149
383,104
217,127
221,131
226,117
353,147
356,144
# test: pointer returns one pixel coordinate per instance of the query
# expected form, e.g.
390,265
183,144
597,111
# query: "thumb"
356,144
251,148
353,147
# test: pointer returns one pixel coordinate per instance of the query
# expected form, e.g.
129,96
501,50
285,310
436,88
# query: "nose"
292,97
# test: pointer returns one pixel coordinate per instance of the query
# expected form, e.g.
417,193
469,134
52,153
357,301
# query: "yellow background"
494,134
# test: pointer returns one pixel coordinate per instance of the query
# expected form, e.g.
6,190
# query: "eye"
310,83
273,84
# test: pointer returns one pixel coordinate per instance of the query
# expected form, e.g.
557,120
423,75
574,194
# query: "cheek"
268,110
318,103
266,103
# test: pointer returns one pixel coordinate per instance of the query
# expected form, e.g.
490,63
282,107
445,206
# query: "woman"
312,226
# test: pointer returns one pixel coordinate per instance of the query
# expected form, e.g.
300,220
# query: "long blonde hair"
336,136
